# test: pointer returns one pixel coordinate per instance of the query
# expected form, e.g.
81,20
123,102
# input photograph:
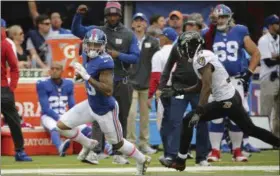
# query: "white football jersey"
222,89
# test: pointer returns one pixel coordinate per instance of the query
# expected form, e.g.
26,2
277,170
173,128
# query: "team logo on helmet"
201,61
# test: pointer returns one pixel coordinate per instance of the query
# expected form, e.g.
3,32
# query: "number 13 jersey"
228,47
99,103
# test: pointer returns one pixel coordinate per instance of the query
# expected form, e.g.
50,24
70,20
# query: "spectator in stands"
199,19
36,42
270,72
157,21
122,46
139,79
55,17
15,32
56,23
8,108
153,31
175,21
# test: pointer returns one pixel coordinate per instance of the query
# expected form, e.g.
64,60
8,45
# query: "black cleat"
167,162
179,164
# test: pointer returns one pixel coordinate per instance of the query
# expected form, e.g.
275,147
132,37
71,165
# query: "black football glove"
171,91
167,92
245,80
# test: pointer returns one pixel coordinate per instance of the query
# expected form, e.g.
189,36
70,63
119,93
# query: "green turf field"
264,163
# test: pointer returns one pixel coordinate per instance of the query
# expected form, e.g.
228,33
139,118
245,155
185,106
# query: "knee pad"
87,131
233,127
217,126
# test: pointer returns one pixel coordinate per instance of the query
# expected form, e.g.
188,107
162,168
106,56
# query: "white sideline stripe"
150,169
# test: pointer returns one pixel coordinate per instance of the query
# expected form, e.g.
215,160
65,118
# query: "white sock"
224,142
130,150
215,140
245,141
236,139
76,135
182,156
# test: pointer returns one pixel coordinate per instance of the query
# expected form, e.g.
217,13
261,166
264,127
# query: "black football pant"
11,117
232,108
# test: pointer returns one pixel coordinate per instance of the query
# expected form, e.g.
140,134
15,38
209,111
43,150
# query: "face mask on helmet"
92,48
223,22
188,47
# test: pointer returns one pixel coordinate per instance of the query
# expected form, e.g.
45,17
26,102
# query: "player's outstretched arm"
105,83
206,77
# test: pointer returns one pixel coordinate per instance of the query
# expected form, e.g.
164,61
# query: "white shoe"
91,158
247,154
102,156
83,154
148,150
118,159
142,167
203,163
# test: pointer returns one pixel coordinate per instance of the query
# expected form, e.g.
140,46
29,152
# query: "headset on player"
223,10
94,43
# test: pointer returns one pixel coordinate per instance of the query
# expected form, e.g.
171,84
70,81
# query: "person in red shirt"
8,108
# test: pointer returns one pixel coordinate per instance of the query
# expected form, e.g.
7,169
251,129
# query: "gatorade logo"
69,51
37,142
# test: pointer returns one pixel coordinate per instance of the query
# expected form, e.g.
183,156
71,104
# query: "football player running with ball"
101,106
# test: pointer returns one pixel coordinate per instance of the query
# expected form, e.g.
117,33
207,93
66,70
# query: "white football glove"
81,70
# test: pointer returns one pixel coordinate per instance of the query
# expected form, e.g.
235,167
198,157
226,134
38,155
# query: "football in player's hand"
82,9
78,77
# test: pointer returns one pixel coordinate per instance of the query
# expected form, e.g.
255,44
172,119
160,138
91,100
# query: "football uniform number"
226,50
58,104
91,90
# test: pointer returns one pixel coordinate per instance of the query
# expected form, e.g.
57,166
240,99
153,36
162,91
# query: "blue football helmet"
225,11
94,43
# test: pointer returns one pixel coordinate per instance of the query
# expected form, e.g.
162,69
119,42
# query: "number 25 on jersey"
226,50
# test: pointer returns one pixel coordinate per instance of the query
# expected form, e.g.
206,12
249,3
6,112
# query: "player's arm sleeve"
243,31
77,28
107,64
168,67
44,102
71,99
133,54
